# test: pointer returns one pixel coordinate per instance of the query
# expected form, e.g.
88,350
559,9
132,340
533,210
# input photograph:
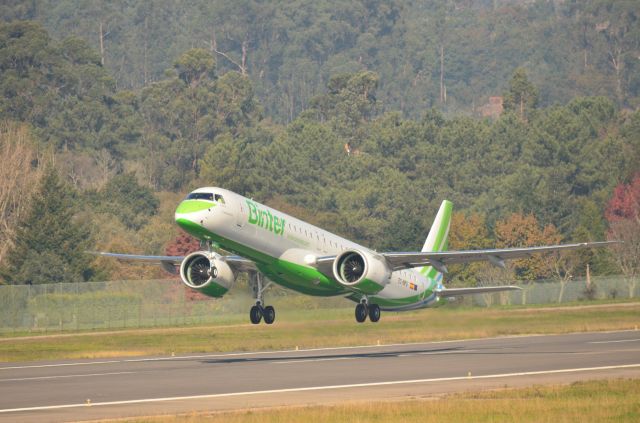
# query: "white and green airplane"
275,247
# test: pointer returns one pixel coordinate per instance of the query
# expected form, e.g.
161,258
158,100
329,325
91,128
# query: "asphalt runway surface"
112,388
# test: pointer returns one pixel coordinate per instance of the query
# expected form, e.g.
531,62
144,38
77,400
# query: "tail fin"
438,238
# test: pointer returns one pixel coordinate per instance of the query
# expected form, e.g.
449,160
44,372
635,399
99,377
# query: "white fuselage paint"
300,240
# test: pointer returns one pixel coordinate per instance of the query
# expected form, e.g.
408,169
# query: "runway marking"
438,353
64,376
614,342
318,388
302,360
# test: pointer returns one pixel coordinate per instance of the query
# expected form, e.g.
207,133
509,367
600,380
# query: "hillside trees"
372,175
418,49
59,87
183,114
19,177
49,244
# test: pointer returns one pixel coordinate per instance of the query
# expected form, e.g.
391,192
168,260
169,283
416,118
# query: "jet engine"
206,273
361,271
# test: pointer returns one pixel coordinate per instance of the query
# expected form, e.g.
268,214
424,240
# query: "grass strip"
615,400
322,328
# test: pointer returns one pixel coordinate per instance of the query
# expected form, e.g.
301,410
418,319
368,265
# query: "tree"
125,198
468,232
623,215
182,245
627,253
563,265
520,230
522,95
18,179
194,65
49,245
625,202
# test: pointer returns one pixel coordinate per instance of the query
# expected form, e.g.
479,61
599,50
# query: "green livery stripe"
304,279
444,227
213,290
441,242
368,287
191,206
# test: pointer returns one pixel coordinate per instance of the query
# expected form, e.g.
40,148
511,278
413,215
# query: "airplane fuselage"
282,247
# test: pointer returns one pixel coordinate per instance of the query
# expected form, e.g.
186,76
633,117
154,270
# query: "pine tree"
522,95
49,244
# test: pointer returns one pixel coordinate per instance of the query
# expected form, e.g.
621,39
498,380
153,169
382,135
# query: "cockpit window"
219,198
200,196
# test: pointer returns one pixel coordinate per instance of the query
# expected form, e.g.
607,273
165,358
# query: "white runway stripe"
319,388
65,376
614,342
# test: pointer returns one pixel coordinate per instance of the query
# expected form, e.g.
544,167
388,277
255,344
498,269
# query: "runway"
110,388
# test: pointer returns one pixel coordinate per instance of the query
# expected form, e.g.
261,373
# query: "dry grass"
309,329
593,401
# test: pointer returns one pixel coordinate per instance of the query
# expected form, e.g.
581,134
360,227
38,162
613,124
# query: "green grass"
320,328
592,401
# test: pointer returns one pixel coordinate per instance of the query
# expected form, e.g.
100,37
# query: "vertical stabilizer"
438,237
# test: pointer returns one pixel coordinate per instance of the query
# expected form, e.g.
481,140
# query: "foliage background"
359,117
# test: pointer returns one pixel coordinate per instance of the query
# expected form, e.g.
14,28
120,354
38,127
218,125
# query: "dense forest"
360,117
450,54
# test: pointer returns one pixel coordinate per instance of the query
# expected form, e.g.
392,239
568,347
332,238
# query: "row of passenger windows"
309,234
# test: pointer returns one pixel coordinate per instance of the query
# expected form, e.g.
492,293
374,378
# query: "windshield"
200,196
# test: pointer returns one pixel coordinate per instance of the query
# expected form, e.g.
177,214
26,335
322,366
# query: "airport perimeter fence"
158,303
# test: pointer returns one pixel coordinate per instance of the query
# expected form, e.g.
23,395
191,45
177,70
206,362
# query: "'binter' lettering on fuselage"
264,219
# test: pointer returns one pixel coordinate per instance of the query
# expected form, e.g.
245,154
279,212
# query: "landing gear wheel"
269,314
374,312
255,314
361,313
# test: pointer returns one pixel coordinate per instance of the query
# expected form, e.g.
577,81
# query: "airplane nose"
188,214
191,206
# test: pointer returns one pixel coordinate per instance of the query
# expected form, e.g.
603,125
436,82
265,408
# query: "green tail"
438,238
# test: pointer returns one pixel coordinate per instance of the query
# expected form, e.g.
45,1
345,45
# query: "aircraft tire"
255,314
374,312
269,314
361,313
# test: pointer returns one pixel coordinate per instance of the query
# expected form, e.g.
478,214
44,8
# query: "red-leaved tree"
183,245
625,202
623,215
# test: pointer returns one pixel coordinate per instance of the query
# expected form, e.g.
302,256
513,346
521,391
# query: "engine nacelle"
361,271
211,276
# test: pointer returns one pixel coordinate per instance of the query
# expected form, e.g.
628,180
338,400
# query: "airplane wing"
454,292
441,259
237,263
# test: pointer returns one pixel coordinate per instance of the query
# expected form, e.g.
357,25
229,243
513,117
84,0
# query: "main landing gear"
365,309
258,311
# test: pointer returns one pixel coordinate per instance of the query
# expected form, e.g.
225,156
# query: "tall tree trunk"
144,64
442,94
101,44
